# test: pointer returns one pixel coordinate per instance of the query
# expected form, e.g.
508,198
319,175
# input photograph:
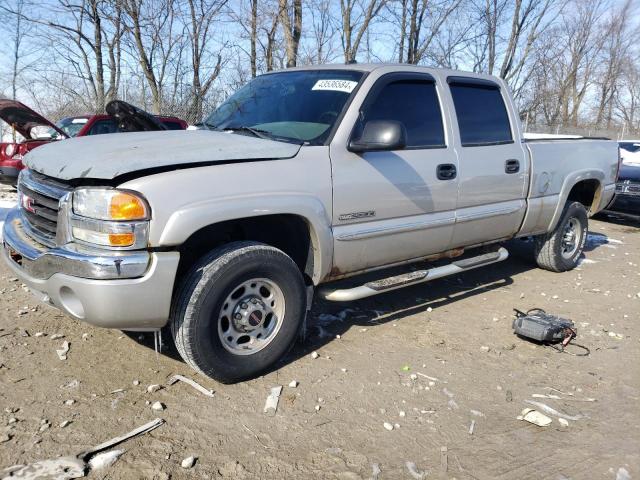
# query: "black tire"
551,251
200,300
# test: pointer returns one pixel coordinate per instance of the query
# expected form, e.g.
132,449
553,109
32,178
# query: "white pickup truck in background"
301,178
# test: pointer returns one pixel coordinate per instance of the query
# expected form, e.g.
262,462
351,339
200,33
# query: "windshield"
70,126
298,106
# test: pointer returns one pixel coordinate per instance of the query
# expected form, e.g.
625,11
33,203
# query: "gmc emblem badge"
27,203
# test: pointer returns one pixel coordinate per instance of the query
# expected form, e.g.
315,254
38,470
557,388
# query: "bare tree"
202,14
566,63
619,37
155,37
320,48
627,97
80,32
357,16
424,20
254,38
271,30
292,28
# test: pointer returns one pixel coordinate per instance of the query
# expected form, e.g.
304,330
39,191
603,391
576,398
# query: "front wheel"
238,311
560,249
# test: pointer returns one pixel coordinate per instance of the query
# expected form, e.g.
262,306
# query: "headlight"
110,218
103,204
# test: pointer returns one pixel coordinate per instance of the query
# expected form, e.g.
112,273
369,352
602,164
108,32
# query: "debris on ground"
158,406
387,426
533,416
271,405
62,352
314,355
56,336
188,462
552,411
413,471
194,384
293,384
623,474
105,459
472,427
44,425
67,468
153,388
444,459
433,379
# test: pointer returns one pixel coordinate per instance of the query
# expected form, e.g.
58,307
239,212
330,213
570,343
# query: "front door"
494,170
392,206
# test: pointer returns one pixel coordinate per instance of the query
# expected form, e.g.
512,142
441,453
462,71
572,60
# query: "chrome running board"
413,278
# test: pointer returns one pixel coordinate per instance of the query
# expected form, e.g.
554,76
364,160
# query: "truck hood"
109,156
23,119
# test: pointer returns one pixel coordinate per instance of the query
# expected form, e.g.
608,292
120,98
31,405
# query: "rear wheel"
560,249
238,311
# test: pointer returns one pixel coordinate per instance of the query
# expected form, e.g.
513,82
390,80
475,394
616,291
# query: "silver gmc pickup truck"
301,178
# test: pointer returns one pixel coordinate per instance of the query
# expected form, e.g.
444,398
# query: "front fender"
190,218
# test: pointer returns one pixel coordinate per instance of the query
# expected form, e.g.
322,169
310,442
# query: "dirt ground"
375,360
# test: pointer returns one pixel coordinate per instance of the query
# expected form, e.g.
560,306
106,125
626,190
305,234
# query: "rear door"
493,167
390,206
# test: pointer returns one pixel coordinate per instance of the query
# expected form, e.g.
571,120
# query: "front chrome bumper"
42,262
124,290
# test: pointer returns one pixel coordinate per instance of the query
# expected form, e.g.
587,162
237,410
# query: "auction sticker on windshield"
346,86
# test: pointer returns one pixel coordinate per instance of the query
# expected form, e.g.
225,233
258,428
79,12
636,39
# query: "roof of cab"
370,67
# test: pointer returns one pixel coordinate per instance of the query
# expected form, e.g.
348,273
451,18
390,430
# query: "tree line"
571,63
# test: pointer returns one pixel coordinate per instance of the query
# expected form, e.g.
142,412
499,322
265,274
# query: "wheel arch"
303,232
585,187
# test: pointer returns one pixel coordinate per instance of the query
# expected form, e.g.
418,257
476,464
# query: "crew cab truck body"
302,177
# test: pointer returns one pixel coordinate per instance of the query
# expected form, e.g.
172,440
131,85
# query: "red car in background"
35,130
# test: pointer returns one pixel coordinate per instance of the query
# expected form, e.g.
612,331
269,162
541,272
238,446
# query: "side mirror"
380,135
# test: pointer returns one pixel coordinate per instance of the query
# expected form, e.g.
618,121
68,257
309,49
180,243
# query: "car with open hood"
31,130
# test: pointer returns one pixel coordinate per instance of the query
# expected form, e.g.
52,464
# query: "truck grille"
39,198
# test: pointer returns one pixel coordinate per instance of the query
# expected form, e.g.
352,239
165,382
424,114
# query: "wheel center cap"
255,318
249,314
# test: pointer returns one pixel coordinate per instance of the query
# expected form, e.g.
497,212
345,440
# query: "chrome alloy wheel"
571,238
251,316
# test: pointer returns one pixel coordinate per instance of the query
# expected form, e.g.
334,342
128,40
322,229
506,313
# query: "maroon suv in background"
36,130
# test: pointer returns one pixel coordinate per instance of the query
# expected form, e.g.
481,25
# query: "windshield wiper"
256,132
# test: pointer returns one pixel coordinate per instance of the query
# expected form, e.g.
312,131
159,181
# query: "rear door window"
414,103
482,115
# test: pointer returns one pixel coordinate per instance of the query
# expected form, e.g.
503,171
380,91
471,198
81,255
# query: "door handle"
512,166
446,171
